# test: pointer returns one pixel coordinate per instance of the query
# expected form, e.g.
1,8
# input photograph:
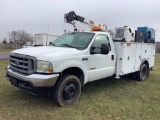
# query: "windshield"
78,40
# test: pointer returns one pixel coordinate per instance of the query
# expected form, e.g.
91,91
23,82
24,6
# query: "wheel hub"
69,91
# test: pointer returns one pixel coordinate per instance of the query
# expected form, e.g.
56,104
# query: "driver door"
101,65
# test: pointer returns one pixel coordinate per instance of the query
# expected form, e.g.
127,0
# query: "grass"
106,99
5,49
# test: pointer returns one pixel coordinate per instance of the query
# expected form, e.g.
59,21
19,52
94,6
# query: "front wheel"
67,90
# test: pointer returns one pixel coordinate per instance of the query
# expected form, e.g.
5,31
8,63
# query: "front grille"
22,63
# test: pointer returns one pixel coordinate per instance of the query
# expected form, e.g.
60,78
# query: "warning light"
96,28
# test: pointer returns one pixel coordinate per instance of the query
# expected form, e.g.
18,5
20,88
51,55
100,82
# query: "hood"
48,52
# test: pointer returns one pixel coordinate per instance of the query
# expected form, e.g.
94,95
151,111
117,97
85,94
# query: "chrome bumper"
36,80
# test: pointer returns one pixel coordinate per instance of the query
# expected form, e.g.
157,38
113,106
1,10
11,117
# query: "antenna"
48,33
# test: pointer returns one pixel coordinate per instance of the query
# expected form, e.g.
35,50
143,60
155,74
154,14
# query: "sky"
47,16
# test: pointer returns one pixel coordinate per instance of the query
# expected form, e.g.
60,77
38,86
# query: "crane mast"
71,17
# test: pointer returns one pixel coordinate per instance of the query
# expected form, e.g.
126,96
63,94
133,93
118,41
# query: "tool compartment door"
128,59
146,53
138,56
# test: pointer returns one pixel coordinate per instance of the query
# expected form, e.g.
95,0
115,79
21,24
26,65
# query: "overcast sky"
34,16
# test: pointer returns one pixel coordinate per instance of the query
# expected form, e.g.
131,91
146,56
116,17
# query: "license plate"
14,82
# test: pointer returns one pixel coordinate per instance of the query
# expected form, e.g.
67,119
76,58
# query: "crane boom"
71,16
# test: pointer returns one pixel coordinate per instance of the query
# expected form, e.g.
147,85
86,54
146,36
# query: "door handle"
112,57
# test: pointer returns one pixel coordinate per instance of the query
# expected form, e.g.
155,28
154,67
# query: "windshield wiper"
68,45
52,44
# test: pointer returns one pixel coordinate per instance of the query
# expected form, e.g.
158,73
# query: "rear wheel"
67,90
143,73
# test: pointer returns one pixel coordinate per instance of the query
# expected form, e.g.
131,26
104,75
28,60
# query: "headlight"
44,67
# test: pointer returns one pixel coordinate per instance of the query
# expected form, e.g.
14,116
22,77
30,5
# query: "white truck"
73,60
44,39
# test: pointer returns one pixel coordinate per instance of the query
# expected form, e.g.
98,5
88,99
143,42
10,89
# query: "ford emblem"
17,63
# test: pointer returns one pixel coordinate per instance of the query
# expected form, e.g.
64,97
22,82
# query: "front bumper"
31,82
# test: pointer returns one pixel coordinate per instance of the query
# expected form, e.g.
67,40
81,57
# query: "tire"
67,90
143,74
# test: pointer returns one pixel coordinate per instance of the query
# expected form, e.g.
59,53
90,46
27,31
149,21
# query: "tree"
20,37
4,40
11,42
12,36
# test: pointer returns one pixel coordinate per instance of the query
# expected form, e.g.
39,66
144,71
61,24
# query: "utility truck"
76,58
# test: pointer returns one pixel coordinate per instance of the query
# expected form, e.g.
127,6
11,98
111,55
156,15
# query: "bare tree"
20,37
25,37
11,43
13,36
29,37
5,41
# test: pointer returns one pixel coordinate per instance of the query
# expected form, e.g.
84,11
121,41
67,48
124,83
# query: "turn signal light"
50,71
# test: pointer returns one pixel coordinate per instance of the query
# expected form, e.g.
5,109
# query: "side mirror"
92,50
50,43
104,49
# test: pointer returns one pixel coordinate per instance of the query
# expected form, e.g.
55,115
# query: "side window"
100,39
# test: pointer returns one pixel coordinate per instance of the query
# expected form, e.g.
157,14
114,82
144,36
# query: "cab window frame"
109,43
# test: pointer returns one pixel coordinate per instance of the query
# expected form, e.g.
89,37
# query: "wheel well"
146,62
74,71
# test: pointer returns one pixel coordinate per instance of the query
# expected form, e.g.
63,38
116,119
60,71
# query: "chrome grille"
22,63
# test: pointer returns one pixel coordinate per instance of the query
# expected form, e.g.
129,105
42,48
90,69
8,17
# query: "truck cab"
88,55
79,57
